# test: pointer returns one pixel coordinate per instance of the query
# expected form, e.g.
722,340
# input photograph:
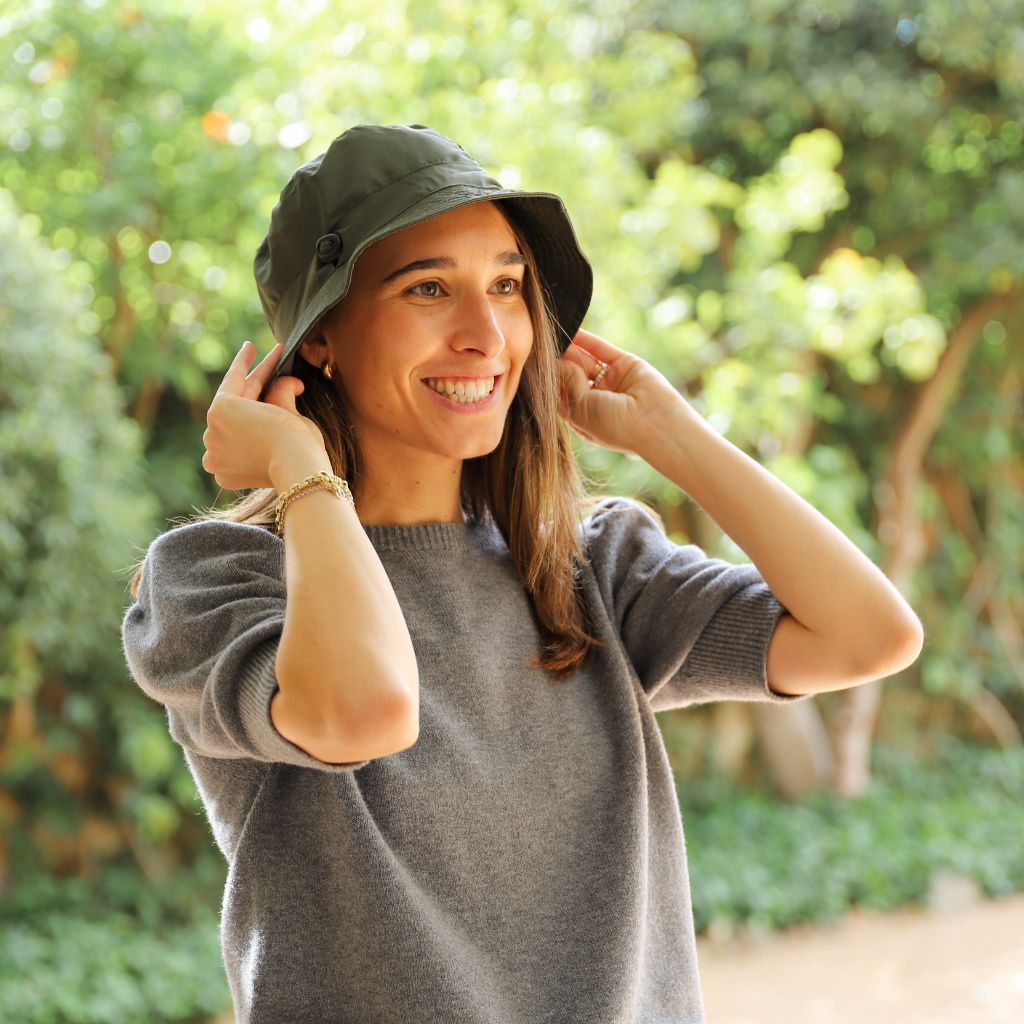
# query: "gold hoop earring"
329,370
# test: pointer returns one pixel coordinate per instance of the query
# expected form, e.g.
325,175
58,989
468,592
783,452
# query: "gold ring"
602,368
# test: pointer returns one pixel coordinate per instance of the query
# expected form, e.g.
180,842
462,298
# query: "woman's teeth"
460,390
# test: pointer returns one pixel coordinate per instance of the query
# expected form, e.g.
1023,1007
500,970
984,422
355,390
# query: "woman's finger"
234,379
573,377
261,374
590,350
597,347
574,354
587,362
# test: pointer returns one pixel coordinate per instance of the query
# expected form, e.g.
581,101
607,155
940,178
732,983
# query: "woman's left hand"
616,412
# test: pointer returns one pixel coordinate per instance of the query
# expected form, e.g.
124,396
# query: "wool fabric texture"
524,861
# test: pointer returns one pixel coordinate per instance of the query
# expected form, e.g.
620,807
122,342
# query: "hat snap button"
328,247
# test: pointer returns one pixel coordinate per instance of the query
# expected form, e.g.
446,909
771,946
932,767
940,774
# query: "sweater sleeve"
696,629
202,635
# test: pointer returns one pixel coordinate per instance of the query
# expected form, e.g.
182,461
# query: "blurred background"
809,216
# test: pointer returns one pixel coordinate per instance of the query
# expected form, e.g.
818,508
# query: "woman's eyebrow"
503,259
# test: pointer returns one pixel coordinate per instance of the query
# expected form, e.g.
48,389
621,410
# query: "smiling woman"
421,825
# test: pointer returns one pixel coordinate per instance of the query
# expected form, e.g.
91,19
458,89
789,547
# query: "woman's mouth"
464,394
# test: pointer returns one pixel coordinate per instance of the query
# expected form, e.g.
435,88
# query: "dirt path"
910,967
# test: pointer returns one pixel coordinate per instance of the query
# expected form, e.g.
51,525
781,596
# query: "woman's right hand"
244,435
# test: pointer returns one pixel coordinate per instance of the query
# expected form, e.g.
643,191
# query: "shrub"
760,861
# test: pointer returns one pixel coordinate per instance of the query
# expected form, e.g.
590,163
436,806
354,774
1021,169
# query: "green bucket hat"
377,179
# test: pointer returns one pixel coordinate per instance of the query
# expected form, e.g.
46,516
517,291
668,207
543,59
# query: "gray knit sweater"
524,861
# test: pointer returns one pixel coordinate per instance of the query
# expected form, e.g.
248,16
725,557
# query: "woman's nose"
479,321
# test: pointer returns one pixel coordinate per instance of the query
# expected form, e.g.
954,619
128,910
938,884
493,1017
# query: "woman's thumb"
284,391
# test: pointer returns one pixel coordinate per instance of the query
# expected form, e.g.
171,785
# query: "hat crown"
367,158
348,190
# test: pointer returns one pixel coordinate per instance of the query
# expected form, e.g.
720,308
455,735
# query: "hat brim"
566,275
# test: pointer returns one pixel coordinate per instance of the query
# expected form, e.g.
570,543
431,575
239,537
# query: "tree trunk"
795,745
900,529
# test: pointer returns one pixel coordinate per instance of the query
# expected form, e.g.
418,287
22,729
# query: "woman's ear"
314,346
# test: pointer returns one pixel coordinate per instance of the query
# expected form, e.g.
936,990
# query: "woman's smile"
465,403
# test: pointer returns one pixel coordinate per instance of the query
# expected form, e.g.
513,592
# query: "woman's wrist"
289,466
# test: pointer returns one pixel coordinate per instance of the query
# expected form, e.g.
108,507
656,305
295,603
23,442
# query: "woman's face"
464,320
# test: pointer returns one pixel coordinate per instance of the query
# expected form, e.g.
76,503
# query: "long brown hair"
531,484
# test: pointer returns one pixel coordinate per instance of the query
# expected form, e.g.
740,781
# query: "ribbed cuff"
731,654
257,686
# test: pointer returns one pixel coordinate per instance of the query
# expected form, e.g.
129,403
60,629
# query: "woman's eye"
516,287
423,284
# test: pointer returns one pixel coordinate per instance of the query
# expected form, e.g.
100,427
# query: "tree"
929,112
83,761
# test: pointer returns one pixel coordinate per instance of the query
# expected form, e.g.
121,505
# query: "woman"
418,825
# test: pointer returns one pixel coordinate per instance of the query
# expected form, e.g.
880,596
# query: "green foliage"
756,860
72,490
919,114
788,207
112,950
74,508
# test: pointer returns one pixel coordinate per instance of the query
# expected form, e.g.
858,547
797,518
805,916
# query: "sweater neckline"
429,536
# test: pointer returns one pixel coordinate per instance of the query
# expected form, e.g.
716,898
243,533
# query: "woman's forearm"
825,582
345,653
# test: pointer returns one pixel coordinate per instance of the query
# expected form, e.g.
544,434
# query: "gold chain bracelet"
317,482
